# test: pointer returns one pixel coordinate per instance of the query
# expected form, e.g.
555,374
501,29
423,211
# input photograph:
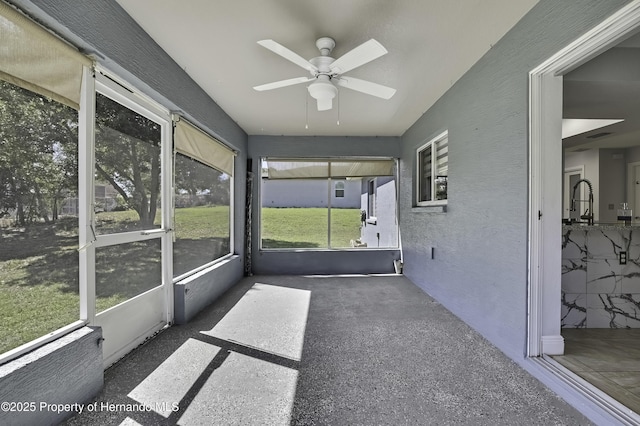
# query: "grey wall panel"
480,244
325,262
65,371
195,293
323,146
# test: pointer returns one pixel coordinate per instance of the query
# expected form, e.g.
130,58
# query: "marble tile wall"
598,291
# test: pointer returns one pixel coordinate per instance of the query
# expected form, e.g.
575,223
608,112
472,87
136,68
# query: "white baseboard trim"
553,345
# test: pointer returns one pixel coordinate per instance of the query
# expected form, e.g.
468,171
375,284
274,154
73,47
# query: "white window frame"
338,186
433,145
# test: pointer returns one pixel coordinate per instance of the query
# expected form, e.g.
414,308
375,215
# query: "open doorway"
578,290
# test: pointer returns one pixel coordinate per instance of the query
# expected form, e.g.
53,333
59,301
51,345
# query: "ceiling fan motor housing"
322,89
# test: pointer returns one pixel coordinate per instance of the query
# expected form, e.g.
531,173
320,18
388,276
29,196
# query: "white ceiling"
431,44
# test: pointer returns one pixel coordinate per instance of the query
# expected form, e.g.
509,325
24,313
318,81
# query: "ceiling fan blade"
366,52
373,89
279,49
282,83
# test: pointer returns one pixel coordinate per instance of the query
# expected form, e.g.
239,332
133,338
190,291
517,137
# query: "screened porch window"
318,203
40,80
203,189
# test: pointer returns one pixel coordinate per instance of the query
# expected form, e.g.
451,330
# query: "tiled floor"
607,358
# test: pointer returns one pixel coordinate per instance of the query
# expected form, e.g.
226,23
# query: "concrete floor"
323,350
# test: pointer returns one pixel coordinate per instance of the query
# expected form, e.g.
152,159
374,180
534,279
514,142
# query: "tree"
38,154
127,156
195,179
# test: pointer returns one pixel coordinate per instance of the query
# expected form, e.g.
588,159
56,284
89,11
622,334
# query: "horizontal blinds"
442,158
194,143
318,169
34,59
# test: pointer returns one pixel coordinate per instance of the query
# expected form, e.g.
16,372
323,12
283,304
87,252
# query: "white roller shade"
194,143
318,169
34,59
362,168
294,169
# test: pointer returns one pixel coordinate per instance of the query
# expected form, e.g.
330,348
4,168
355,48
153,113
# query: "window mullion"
329,204
86,165
167,202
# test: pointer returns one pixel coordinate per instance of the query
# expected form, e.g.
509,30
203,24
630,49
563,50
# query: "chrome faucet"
588,214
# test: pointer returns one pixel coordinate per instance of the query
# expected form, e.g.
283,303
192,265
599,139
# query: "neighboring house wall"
479,269
383,231
309,193
103,27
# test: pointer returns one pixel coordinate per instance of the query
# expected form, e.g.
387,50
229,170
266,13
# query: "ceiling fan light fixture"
323,91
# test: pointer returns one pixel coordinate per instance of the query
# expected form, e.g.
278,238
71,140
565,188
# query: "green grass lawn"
39,264
307,227
39,267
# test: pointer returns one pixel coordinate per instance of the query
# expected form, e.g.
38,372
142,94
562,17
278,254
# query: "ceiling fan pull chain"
306,104
338,99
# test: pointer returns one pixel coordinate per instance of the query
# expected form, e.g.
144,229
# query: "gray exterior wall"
317,261
309,193
104,29
480,267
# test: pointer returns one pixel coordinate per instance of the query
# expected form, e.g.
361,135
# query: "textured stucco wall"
317,262
480,267
65,371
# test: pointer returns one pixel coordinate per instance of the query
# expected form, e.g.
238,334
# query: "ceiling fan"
326,71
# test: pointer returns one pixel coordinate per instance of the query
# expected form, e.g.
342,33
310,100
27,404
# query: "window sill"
442,208
41,341
204,269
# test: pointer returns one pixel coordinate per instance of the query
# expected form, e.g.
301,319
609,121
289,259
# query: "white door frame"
545,166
